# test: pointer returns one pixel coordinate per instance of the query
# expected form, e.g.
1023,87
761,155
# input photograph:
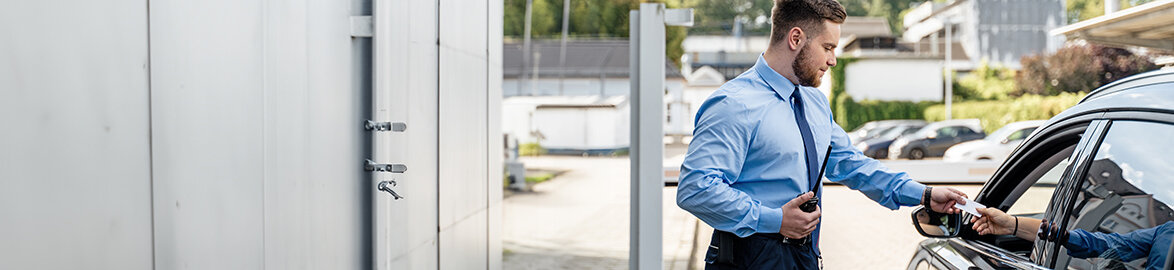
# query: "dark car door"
1122,195
1023,187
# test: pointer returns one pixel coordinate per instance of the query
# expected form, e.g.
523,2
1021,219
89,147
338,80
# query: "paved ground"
579,220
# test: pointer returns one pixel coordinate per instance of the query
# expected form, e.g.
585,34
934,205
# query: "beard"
808,76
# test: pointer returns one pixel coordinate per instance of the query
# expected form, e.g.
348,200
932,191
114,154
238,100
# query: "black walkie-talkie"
810,205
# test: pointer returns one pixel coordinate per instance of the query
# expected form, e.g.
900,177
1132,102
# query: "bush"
531,149
1077,68
851,114
996,114
985,83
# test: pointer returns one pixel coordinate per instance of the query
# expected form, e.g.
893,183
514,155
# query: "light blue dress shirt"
746,158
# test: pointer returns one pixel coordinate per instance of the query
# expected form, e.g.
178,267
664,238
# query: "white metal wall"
255,136
468,188
75,175
227,135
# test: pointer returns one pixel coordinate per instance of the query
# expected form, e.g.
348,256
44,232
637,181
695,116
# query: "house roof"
585,59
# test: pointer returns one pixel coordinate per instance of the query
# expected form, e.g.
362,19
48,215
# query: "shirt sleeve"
1121,247
851,168
716,154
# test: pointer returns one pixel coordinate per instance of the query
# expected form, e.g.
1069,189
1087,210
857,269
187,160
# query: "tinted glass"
1125,195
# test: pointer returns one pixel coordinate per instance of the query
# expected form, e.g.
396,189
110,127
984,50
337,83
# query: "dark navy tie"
808,140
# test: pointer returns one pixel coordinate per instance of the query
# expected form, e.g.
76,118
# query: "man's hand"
796,223
993,221
942,200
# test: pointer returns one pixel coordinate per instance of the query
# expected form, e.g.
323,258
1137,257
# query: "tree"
1079,10
1078,68
589,18
717,17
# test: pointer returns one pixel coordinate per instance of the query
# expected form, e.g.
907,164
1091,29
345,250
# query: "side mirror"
932,136
936,225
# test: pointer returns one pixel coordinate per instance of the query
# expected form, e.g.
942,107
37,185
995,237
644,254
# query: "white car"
995,147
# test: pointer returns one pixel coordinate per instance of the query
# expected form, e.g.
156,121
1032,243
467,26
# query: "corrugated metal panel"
74,152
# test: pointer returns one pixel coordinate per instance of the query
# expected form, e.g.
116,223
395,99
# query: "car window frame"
1040,145
1071,183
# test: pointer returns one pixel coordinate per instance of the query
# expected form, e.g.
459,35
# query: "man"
1152,243
757,148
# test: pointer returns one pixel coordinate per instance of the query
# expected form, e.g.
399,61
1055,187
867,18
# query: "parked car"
878,146
1100,166
994,147
873,129
933,139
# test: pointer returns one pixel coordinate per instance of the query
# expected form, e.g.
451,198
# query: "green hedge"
996,113
851,114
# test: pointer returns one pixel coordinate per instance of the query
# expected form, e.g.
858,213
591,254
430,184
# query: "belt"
784,239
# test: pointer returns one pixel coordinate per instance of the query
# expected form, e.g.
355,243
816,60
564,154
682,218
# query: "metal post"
562,54
645,147
949,68
526,52
647,63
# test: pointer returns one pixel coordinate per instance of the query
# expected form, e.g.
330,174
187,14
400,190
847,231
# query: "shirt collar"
781,85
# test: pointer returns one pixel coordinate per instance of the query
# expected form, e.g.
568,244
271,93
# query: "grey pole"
526,48
949,68
562,54
647,43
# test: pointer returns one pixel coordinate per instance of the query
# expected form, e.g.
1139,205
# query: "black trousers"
758,251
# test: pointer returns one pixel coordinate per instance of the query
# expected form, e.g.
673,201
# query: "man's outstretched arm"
850,167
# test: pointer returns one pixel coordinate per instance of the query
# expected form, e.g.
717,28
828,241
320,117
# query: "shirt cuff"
910,193
769,220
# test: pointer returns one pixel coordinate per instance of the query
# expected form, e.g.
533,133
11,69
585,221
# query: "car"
1099,166
872,129
878,146
994,147
933,139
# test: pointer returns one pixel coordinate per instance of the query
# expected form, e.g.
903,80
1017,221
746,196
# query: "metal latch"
385,126
385,186
377,167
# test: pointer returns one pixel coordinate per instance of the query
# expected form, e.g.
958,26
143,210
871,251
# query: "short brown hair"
808,15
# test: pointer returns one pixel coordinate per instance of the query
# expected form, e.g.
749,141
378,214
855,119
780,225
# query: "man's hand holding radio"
796,222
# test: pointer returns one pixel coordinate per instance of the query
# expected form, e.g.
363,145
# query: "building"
569,124
998,31
577,106
592,67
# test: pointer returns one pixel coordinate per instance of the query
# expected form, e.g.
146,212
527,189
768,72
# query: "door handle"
386,187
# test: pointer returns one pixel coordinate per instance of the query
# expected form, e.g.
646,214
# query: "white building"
569,124
579,105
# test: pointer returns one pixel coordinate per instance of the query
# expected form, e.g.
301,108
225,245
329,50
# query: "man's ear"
795,38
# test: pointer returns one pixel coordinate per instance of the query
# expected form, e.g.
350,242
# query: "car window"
1127,189
947,132
1020,134
1033,201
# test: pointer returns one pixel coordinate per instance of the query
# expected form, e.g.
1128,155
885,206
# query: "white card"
970,207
